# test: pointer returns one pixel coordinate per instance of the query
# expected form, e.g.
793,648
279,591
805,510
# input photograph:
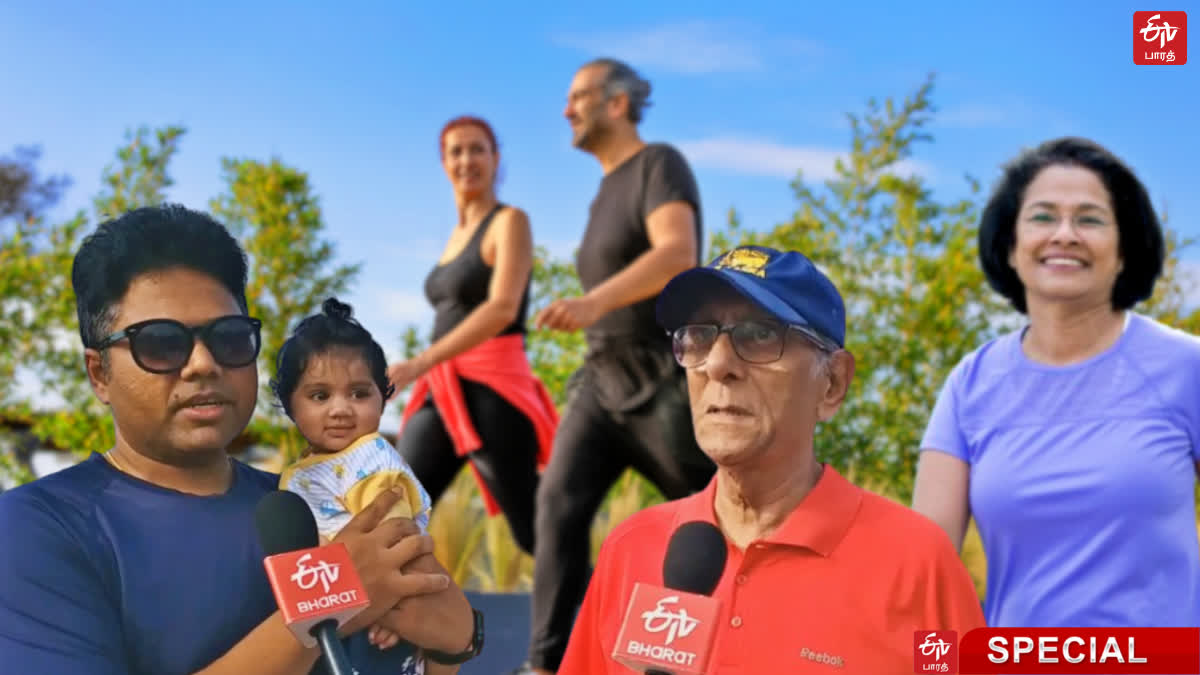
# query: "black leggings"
592,448
507,462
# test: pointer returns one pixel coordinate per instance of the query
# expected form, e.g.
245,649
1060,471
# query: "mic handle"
334,654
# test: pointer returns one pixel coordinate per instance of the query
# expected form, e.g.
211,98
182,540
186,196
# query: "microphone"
670,631
316,587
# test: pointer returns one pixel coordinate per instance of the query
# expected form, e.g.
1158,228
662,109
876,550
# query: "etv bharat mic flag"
313,585
668,630
1062,651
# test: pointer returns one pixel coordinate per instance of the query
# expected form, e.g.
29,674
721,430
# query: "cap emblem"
745,260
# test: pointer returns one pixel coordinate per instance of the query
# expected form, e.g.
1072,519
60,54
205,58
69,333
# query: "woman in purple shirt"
1073,441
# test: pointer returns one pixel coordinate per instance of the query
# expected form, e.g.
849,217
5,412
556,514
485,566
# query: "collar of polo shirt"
819,523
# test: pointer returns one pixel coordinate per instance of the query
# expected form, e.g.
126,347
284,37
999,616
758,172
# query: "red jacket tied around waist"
501,365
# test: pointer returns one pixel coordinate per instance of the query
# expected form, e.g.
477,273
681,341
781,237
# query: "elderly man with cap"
820,575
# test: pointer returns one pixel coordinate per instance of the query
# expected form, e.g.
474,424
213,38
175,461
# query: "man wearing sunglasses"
820,575
145,559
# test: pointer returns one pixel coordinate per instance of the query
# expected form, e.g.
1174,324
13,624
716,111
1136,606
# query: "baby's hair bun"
336,309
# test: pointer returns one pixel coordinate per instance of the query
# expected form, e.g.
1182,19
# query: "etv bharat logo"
306,577
677,624
1160,38
935,651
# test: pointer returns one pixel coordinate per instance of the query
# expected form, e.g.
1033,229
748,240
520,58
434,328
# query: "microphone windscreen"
285,523
695,558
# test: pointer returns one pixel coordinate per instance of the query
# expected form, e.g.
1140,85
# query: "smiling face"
469,159
1067,245
336,401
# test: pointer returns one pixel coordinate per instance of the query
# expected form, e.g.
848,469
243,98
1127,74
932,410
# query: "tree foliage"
139,177
25,198
24,195
553,355
1175,300
47,333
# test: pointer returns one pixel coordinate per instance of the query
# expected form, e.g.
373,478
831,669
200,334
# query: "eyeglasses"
165,345
753,341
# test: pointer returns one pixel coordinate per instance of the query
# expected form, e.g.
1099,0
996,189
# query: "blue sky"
355,95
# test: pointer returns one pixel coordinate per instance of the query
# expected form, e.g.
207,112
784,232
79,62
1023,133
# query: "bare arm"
510,273
940,493
671,229
442,621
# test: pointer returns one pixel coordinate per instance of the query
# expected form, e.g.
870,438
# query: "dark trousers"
592,448
507,462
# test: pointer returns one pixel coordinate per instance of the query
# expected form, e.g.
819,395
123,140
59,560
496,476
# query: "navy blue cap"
784,284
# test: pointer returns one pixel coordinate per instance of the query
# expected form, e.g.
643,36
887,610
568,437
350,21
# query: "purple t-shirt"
1082,478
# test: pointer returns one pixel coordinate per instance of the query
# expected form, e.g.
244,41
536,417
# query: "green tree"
24,195
272,209
139,177
1176,299
25,199
47,339
553,355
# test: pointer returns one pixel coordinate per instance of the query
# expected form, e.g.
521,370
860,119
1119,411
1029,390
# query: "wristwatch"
469,653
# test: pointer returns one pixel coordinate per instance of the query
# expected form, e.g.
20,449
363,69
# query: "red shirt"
840,587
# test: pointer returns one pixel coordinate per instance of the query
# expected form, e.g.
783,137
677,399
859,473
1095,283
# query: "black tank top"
457,287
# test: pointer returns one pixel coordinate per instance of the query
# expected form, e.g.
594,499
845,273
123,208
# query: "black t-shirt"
629,354
616,231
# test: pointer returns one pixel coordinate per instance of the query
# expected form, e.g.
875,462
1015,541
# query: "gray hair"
822,364
619,78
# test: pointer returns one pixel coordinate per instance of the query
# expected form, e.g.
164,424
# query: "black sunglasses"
165,345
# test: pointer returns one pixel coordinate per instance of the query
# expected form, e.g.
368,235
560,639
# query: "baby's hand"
383,638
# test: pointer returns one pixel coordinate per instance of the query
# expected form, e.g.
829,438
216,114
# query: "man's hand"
380,549
441,621
569,314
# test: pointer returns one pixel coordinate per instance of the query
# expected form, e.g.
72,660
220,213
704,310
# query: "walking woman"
475,397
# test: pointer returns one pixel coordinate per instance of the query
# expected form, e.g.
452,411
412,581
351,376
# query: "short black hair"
144,240
1139,231
318,334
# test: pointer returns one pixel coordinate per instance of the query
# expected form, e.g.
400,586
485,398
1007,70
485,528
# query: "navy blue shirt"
102,573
